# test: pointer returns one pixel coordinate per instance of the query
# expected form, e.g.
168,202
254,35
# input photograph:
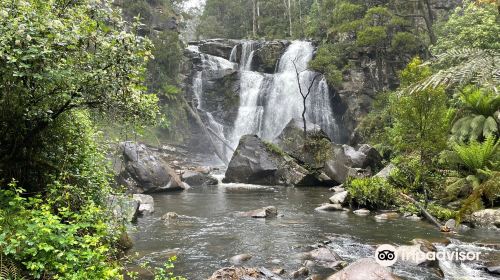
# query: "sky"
193,3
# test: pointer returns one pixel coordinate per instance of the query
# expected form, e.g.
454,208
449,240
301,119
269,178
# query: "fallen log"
203,127
425,213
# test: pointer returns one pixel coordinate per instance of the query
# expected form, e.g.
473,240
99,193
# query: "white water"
266,108
269,101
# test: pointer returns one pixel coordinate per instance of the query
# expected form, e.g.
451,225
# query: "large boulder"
256,162
347,161
145,171
291,141
266,58
486,218
217,47
364,269
194,179
122,208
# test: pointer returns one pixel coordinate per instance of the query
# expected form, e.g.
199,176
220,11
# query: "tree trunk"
254,20
304,118
290,18
425,7
200,123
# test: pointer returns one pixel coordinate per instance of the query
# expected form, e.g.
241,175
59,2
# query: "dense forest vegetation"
69,69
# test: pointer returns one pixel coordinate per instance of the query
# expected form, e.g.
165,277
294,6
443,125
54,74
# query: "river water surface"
208,232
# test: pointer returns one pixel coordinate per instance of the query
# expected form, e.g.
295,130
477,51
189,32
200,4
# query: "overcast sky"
193,3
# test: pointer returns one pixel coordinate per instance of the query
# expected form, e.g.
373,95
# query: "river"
208,232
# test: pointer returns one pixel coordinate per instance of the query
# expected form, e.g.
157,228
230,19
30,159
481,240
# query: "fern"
461,67
476,155
9,270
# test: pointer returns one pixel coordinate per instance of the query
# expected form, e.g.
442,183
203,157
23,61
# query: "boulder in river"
330,207
146,203
339,198
243,273
362,212
323,255
303,271
364,269
486,218
123,208
170,216
387,216
145,171
493,267
256,162
346,162
265,212
195,179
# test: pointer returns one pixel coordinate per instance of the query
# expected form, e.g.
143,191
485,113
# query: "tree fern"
457,67
476,155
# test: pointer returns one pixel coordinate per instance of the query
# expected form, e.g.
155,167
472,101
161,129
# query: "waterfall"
234,54
269,102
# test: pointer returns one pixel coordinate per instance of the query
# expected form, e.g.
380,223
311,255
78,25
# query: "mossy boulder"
257,162
267,56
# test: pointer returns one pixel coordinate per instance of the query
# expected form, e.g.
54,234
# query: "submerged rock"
387,216
323,255
330,207
362,212
170,216
266,212
255,162
145,171
239,259
364,269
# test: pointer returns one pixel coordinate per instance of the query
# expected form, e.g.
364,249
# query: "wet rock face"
254,162
218,47
364,269
267,56
145,171
346,162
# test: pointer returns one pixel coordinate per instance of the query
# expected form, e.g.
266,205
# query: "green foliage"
373,193
66,245
421,119
160,273
56,59
479,108
319,146
440,212
274,149
475,155
328,60
473,26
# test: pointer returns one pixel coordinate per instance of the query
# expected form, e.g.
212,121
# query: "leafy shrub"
66,245
373,193
441,212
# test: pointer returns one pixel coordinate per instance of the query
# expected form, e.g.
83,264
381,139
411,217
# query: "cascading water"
212,67
269,102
